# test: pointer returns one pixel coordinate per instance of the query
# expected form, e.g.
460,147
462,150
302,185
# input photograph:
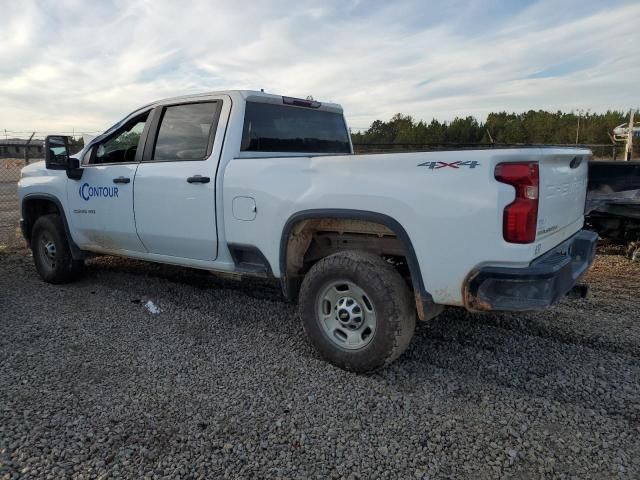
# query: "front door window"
123,145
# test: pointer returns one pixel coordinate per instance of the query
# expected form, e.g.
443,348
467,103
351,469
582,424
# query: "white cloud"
72,64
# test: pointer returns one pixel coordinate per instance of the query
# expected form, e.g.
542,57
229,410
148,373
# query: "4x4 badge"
458,164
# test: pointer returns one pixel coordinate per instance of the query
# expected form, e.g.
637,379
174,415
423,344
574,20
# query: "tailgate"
563,190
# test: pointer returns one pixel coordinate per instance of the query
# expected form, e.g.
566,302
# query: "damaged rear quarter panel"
453,216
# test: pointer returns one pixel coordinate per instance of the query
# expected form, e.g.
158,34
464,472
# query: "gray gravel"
222,383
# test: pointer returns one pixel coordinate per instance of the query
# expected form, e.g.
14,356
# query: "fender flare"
289,286
76,253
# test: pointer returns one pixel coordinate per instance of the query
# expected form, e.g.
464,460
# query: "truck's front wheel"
51,253
357,311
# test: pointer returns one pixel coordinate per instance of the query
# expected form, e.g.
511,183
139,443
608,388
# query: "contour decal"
87,192
458,164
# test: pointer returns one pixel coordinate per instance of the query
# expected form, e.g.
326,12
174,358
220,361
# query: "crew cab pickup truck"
259,184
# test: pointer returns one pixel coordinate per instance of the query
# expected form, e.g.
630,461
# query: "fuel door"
244,208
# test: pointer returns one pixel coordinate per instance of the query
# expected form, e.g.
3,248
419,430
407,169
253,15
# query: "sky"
81,65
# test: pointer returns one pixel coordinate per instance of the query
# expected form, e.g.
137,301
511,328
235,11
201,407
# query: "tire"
373,285
51,253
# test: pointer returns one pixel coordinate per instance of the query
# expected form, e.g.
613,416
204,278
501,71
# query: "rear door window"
281,128
185,132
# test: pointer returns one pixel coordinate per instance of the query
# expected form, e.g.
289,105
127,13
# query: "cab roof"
242,95
246,95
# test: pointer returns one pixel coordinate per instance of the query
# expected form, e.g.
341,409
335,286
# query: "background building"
17,148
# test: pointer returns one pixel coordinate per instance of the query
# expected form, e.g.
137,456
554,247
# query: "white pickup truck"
259,184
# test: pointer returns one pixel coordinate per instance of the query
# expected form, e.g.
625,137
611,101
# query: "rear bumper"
547,279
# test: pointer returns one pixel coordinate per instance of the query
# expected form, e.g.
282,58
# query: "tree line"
538,127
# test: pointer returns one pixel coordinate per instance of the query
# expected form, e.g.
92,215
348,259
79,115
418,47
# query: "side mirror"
56,152
74,171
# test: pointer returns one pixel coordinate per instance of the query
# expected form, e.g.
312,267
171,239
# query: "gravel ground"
222,383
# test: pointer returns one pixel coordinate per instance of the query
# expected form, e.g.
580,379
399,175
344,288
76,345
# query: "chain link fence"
10,235
600,151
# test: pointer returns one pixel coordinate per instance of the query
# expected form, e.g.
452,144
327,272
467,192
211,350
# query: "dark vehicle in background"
613,202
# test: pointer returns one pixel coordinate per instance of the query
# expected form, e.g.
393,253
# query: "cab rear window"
280,128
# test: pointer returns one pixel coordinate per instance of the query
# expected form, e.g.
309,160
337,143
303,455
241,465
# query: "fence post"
26,149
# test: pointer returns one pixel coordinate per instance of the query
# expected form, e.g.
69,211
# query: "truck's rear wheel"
51,253
357,311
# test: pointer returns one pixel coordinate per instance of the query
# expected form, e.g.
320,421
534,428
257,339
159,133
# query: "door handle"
198,179
121,180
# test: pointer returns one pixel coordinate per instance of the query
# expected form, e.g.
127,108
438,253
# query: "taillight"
520,216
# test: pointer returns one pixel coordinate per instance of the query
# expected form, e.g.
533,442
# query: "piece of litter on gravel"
152,307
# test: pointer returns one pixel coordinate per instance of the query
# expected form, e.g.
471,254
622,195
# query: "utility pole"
490,137
628,149
580,111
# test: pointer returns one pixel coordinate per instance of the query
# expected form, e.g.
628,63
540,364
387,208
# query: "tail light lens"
520,216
